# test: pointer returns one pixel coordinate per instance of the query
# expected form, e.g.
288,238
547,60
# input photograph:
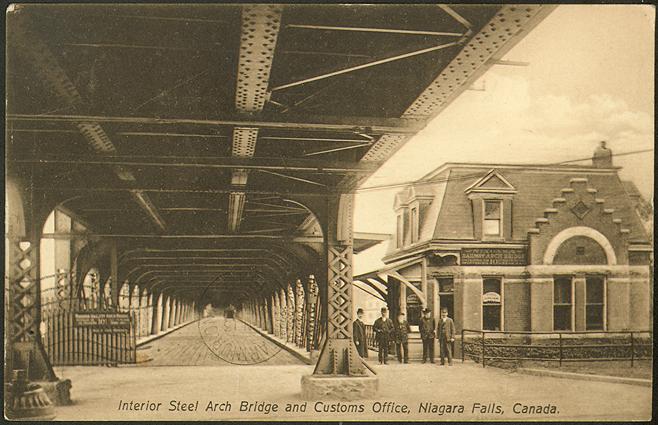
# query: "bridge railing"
577,346
69,343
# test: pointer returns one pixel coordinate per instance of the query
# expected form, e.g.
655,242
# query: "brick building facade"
522,248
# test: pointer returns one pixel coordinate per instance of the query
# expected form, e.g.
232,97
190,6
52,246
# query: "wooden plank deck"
214,341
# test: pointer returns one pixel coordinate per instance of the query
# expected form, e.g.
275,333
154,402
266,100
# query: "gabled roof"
491,182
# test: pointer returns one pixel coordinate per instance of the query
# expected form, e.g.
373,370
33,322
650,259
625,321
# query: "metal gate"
89,337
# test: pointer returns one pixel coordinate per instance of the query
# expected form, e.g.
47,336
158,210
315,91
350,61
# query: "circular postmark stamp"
229,338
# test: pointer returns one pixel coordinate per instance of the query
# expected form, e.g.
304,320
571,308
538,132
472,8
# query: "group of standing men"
386,331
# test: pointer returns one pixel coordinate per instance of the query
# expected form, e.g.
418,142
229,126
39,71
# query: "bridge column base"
59,392
340,374
327,387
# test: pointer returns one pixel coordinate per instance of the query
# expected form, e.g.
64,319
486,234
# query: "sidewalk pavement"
429,392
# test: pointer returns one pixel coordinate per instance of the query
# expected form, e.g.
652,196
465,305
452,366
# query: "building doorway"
446,294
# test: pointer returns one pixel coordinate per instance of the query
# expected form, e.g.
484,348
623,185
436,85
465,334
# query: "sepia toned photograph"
329,212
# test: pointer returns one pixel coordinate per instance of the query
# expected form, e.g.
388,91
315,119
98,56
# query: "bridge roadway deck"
213,341
188,372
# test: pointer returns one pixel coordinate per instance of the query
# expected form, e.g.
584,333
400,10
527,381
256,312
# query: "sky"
590,78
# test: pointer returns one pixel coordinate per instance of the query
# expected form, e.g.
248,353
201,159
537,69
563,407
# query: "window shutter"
477,218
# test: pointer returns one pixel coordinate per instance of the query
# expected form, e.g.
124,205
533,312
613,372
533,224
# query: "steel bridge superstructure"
209,154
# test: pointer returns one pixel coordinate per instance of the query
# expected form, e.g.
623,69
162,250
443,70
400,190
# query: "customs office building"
521,248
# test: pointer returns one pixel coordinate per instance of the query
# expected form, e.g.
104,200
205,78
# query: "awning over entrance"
377,280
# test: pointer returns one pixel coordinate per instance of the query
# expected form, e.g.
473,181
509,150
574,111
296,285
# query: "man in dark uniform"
383,328
446,333
427,327
359,334
402,330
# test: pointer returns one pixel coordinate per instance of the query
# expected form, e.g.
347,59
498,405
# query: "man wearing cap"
359,334
383,328
427,332
402,330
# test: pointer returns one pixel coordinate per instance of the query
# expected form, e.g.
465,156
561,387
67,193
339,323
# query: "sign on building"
493,257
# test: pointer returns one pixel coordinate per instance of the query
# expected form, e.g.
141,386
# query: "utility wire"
479,174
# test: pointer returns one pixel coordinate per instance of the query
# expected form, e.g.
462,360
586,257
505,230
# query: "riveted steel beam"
353,124
497,37
235,208
53,76
316,166
260,29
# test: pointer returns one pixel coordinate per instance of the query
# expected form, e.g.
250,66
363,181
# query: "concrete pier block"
59,392
319,387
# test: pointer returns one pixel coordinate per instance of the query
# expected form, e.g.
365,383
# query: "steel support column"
146,314
175,312
157,312
114,275
173,321
276,314
299,313
290,329
270,315
164,322
311,308
283,315
262,311
339,355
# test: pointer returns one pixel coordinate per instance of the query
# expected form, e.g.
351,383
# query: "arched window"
580,250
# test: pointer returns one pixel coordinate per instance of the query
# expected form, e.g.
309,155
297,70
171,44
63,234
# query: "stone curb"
305,357
586,377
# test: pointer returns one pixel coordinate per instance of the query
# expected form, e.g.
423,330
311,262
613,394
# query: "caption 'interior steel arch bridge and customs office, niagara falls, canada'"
166,158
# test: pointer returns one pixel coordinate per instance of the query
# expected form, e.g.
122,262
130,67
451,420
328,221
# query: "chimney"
602,157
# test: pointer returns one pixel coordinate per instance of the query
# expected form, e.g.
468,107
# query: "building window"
562,304
491,304
594,304
414,225
493,218
400,232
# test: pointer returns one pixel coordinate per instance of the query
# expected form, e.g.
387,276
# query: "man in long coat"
384,331
359,334
446,331
427,327
402,330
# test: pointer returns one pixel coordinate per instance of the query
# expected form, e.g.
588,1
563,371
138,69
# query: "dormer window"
493,225
491,199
